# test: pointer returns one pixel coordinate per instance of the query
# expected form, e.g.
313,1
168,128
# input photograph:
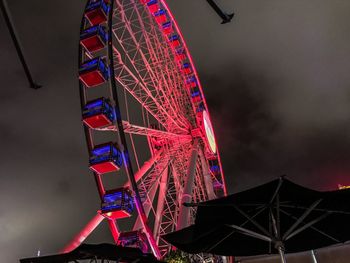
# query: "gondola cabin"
117,203
97,11
180,54
98,113
94,38
191,82
136,239
167,28
105,158
214,166
174,40
153,6
196,94
160,16
186,68
93,72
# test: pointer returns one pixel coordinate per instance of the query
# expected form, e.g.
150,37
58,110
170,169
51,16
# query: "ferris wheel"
148,131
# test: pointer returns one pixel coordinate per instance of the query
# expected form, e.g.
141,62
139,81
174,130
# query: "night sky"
276,80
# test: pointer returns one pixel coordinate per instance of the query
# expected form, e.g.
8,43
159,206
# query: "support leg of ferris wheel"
207,177
160,206
114,229
83,234
98,218
184,215
147,204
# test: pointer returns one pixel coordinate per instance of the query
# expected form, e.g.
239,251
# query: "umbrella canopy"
272,218
100,251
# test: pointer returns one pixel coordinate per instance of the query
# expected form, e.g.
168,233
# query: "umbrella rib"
277,190
307,226
316,209
314,228
222,240
253,221
248,232
301,218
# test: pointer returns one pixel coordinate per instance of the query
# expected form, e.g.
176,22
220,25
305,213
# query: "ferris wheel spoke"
137,50
161,63
140,91
135,35
140,130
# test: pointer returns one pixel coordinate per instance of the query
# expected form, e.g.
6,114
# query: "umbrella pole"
282,256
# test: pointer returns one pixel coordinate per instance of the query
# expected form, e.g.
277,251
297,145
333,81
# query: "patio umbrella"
277,217
92,252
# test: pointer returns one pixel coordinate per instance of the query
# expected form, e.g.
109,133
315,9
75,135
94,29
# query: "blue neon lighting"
94,30
160,12
166,25
102,150
97,4
215,168
94,104
174,38
152,2
192,79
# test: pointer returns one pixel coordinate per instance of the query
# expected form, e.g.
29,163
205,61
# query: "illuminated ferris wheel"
148,131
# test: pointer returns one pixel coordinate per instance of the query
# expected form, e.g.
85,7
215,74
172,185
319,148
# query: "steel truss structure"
161,124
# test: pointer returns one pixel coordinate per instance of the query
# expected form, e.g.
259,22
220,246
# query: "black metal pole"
225,17
6,15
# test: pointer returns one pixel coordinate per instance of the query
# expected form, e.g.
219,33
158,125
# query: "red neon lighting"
187,71
175,43
97,121
161,19
153,8
105,167
92,78
168,30
118,214
96,16
92,44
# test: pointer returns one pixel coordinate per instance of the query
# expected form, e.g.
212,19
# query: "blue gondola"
98,113
106,158
97,11
134,239
94,38
94,72
118,203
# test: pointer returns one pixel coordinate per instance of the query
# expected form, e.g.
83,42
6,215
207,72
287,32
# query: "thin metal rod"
7,17
277,190
313,256
251,233
282,256
307,226
114,229
301,218
225,17
313,228
253,221
145,167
